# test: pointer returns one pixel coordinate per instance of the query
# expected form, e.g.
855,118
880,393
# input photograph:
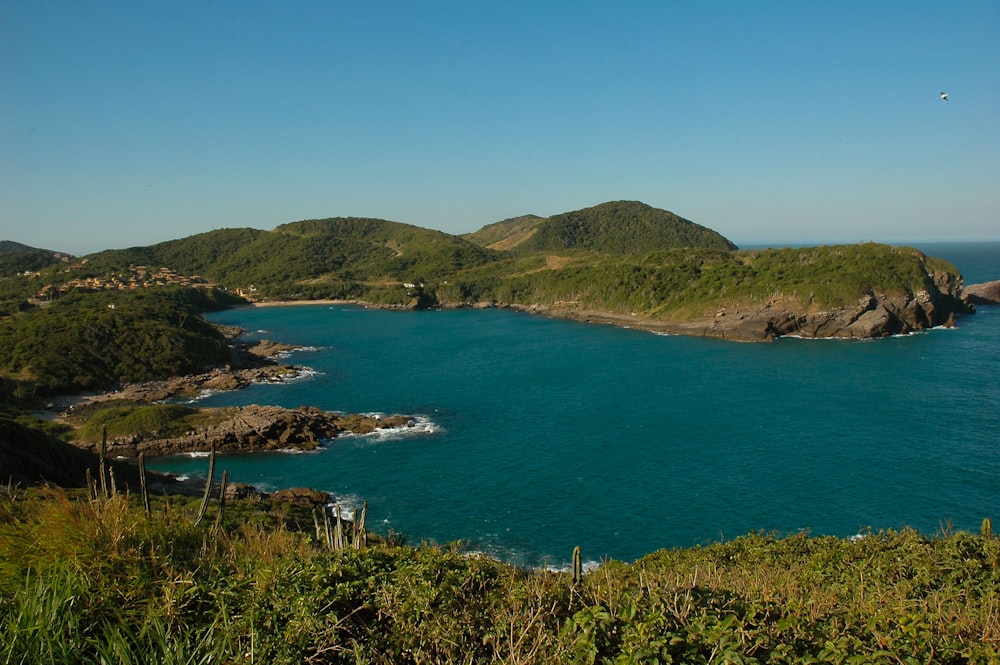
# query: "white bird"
944,96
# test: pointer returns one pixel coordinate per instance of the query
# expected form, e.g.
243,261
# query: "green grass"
161,420
100,582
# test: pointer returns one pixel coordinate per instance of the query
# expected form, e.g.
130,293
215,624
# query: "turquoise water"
537,435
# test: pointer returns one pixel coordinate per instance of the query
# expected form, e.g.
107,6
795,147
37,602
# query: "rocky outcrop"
223,378
255,428
873,315
987,293
303,496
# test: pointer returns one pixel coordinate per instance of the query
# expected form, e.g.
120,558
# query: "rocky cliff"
874,315
987,293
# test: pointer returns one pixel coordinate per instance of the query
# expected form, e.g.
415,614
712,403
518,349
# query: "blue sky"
130,123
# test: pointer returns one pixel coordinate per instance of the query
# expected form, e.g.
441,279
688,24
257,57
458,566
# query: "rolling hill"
612,228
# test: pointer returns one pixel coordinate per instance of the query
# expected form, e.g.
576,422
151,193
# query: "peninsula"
621,262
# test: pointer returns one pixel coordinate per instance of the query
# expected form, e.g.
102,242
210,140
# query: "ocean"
536,435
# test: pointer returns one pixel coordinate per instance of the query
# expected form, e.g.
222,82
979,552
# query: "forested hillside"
17,258
688,283
328,258
90,341
613,228
620,258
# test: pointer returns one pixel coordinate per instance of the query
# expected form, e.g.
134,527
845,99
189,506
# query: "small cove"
546,434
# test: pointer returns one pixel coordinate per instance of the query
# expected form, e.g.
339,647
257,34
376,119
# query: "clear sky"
132,122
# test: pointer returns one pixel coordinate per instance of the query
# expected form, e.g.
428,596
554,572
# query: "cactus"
326,528
208,486
338,533
222,500
577,566
103,463
360,534
142,482
91,486
319,531
986,528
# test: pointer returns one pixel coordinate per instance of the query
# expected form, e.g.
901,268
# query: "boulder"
302,496
987,293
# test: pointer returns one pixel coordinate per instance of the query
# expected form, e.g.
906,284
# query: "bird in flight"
944,96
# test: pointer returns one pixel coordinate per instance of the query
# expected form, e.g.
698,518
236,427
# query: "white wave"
587,566
912,333
197,454
349,505
300,451
284,355
417,426
202,394
300,374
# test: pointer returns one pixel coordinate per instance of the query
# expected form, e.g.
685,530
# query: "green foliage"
162,420
89,582
620,228
13,262
686,283
330,258
81,343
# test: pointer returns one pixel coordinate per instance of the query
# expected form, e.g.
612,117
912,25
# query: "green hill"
91,341
344,257
507,234
613,228
16,258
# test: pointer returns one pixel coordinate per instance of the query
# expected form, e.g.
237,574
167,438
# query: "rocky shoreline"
242,429
254,428
875,315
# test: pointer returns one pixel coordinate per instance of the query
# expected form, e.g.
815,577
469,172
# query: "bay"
537,435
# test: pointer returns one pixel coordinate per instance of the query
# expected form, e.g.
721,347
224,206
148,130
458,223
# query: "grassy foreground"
86,581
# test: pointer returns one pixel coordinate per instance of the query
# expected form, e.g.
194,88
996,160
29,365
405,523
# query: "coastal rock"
225,378
303,496
987,293
256,428
874,315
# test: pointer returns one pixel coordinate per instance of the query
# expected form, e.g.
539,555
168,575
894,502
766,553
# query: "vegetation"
99,581
331,258
687,283
88,580
619,228
618,257
17,258
124,420
90,341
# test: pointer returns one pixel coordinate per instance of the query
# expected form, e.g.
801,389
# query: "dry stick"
142,482
208,486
